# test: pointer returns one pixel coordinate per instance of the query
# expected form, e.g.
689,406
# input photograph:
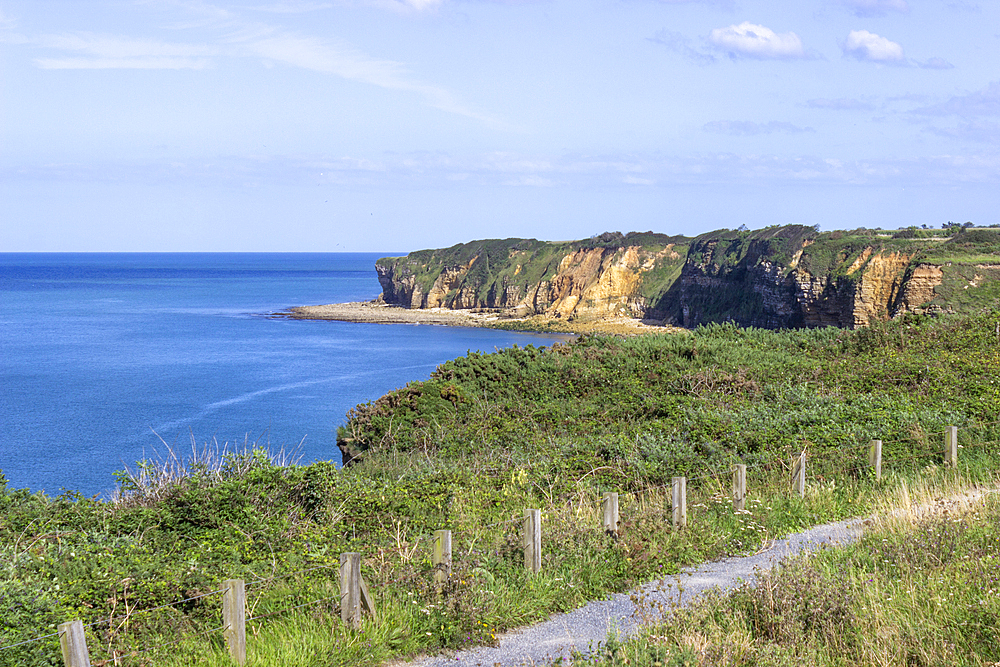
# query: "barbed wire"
147,649
126,616
298,606
162,606
255,582
29,641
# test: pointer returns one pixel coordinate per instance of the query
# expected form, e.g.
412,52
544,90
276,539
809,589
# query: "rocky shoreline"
375,312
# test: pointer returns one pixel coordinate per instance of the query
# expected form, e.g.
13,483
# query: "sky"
396,125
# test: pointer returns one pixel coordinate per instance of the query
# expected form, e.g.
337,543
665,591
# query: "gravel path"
584,628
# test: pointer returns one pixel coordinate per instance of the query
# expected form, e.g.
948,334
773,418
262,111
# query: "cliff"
791,276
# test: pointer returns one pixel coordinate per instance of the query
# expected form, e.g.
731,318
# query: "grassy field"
484,438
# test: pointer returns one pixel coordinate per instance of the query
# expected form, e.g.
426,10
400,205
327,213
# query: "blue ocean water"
102,355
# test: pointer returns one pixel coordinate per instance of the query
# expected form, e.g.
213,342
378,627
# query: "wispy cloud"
678,43
875,7
567,171
975,116
113,52
978,132
291,7
756,41
235,37
935,63
727,4
408,5
320,55
743,128
6,22
840,104
985,102
868,46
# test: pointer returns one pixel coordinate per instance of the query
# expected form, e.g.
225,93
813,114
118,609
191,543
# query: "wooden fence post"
441,556
533,540
799,474
679,502
875,457
234,606
739,487
73,643
350,589
609,505
951,446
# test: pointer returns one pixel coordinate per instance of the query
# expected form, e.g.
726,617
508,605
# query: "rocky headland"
778,277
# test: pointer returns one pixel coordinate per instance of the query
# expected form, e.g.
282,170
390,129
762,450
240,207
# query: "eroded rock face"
875,287
881,278
765,279
589,283
918,288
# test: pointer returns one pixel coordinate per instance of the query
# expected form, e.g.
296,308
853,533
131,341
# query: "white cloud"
865,45
876,7
756,41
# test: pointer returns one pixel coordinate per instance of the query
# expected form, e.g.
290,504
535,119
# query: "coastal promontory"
778,277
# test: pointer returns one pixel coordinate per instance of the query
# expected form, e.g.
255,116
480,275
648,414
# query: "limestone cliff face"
788,276
565,280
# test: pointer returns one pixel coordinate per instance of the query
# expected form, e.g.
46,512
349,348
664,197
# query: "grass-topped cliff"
790,276
483,438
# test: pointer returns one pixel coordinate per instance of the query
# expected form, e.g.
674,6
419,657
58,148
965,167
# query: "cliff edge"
778,277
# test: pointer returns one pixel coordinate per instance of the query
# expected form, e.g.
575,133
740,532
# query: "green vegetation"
922,590
485,437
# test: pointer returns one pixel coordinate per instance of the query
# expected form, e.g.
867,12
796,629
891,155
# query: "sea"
109,359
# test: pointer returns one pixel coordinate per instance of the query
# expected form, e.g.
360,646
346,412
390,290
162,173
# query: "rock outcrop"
789,276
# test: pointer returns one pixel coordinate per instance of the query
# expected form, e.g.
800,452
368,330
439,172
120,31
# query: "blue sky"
356,125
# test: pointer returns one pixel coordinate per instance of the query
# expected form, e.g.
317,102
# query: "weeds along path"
585,629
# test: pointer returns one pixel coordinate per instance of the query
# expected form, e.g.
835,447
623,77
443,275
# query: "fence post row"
799,474
441,557
951,446
533,540
679,502
739,487
875,457
73,643
609,505
354,593
234,605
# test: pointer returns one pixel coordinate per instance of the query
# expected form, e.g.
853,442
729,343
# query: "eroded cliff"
789,276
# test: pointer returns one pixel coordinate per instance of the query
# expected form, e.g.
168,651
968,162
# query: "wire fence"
974,437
